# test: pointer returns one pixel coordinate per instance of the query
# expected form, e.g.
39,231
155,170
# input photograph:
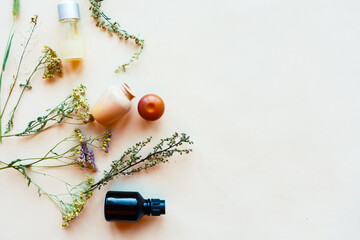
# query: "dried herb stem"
104,22
33,26
78,154
10,123
74,106
130,159
52,65
6,57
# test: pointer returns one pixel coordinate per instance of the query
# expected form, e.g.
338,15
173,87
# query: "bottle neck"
154,207
127,91
147,207
69,20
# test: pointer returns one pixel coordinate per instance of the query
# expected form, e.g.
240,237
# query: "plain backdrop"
267,89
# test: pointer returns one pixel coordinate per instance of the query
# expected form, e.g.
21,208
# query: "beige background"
268,90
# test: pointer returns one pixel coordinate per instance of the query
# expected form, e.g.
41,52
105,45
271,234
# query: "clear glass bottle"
72,43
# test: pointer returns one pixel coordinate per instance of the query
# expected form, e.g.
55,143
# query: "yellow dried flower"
53,66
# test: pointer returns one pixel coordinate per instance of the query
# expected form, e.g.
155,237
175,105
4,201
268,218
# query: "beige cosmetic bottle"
113,104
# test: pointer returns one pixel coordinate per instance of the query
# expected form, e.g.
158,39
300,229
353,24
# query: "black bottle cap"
157,207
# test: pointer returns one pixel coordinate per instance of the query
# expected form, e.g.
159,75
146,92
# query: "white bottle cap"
68,9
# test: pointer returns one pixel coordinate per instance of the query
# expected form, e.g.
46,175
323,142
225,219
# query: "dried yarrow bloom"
53,66
81,105
106,141
74,209
84,156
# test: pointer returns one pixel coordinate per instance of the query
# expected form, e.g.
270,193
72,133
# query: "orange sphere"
151,107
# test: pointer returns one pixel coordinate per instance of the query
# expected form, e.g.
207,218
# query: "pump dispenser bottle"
130,206
72,46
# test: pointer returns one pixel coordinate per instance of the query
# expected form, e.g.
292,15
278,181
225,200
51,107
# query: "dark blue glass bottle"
130,206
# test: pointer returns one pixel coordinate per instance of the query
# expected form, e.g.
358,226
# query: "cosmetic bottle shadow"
145,124
121,124
73,66
142,225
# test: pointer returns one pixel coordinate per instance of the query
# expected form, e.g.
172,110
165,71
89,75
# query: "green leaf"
7,51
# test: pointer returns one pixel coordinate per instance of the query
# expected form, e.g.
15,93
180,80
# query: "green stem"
12,135
6,57
5,167
41,190
18,70
113,173
47,118
55,166
48,175
23,90
12,115
56,157
30,129
29,133
45,157
3,162
37,160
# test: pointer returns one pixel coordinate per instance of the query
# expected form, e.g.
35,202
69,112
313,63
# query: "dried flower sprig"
15,12
78,154
75,107
85,156
131,161
81,105
52,65
104,22
33,23
81,154
70,211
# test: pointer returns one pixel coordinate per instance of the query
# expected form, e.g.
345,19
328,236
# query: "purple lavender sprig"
85,156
